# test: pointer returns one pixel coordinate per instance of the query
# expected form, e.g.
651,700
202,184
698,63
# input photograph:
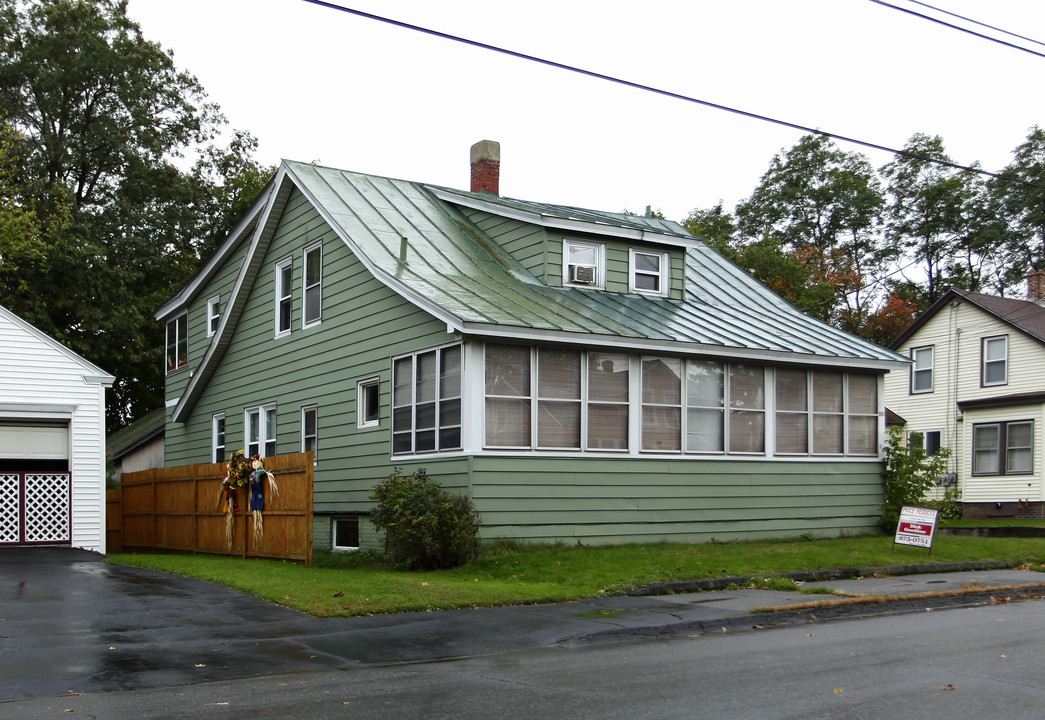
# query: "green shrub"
427,527
909,475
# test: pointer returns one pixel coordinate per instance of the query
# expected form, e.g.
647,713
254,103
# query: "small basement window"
346,534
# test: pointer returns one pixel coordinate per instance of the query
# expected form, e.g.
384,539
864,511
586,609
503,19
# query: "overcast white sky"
314,84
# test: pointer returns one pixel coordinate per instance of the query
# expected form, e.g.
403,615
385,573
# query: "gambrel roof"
416,240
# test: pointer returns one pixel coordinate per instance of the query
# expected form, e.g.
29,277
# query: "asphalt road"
110,641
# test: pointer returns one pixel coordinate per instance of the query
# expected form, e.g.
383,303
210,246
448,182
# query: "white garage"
52,441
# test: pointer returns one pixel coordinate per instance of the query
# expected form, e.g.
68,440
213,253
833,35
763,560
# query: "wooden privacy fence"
179,509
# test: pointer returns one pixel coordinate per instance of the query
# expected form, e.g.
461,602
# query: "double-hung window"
177,342
260,423
1003,448
213,315
218,437
313,304
922,370
649,272
310,431
368,403
583,264
994,352
426,402
284,295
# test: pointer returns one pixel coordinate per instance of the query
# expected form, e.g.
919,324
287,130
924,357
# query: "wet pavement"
71,623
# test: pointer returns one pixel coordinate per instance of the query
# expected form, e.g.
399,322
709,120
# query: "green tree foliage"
100,117
824,204
428,528
1023,207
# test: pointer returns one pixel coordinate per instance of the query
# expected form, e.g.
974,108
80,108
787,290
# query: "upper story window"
261,431
213,315
218,437
313,305
426,401
284,295
648,272
583,264
177,342
310,431
368,403
994,352
922,370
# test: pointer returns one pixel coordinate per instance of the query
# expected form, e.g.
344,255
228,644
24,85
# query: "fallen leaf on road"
948,686
838,691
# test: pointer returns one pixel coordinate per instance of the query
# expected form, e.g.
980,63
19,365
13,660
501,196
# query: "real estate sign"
916,526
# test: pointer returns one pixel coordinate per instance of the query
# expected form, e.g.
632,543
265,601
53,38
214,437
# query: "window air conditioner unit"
582,274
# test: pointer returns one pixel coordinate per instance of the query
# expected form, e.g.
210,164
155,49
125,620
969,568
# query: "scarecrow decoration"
257,495
236,476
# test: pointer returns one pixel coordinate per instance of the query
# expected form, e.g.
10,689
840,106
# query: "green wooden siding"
363,325
649,500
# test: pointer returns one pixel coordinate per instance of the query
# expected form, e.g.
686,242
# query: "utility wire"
976,22
668,93
959,28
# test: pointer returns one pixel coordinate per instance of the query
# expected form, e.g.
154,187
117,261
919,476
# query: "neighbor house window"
368,403
310,431
1003,448
213,315
177,342
649,272
426,401
345,534
583,264
994,352
284,295
218,437
260,423
929,441
313,305
922,370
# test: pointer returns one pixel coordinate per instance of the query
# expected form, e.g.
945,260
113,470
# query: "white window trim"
179,362
264,431
214,437
305,323
600,264
983,361
361,388
213,315
304,445
333,535
282,294
664,276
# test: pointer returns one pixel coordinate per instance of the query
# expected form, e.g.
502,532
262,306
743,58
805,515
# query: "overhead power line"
959,28
666,93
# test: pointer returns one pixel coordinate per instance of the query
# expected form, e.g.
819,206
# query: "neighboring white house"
975,385
52,441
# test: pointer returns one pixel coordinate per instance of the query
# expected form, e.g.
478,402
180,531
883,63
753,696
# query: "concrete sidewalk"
74,624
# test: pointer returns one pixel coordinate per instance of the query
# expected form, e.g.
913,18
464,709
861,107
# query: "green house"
584,376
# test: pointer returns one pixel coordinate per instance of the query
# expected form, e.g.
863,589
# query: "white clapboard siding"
41,379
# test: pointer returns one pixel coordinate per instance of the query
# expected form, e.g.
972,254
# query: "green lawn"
347,584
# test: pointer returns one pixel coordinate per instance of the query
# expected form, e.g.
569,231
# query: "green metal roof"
450,268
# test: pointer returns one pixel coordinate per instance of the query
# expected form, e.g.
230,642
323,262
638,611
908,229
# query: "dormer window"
583,264
649,272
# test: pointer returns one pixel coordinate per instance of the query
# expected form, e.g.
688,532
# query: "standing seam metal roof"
452,268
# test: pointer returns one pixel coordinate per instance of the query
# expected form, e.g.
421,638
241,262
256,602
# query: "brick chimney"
486,166
1036,286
